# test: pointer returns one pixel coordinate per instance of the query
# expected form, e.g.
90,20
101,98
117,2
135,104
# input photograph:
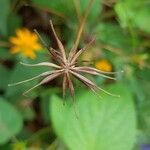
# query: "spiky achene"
66,65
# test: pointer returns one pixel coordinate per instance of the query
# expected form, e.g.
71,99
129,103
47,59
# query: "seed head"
66,65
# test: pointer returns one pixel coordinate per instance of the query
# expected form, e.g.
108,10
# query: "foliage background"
40,121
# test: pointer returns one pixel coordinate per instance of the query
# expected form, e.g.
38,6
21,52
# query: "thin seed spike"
90,86
82,78
64,86
47,79
61,47
70,85
41,75
99,71
48,64
75,46
53,52
94,73
32,89
57,57
74,58
86,81
71,88
41,39
104,72
98,95
114,95
74,108
14,84
94,91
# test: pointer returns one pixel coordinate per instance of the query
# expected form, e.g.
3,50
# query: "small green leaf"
134,14
103,124
10,121
4,12
67,8
112,34
14,23
60,7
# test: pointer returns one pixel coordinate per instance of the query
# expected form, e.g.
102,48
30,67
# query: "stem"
82,24
78,10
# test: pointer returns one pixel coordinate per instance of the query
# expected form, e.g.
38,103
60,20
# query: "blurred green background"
41,121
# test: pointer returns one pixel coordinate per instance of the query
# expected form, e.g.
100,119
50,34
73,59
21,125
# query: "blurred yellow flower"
103,65
25,42
140,59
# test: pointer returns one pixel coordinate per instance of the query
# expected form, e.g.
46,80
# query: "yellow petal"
20,33
14,49
29,53
14,40
37,47
34,38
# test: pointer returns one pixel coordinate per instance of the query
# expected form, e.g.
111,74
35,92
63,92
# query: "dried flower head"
25,42
66,66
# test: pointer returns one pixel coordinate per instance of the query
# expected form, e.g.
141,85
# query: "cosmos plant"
66,65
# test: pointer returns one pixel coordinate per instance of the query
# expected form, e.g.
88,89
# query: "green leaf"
4,54
4,77
14,23
67,8
20,73
10,121
103,124
94,12
59,7
112,34
4,12
134,14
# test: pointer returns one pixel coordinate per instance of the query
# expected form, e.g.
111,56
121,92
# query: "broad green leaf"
102,124
44,103
4,12
10,121
134,14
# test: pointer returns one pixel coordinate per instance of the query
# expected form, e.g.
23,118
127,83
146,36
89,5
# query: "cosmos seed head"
67,66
